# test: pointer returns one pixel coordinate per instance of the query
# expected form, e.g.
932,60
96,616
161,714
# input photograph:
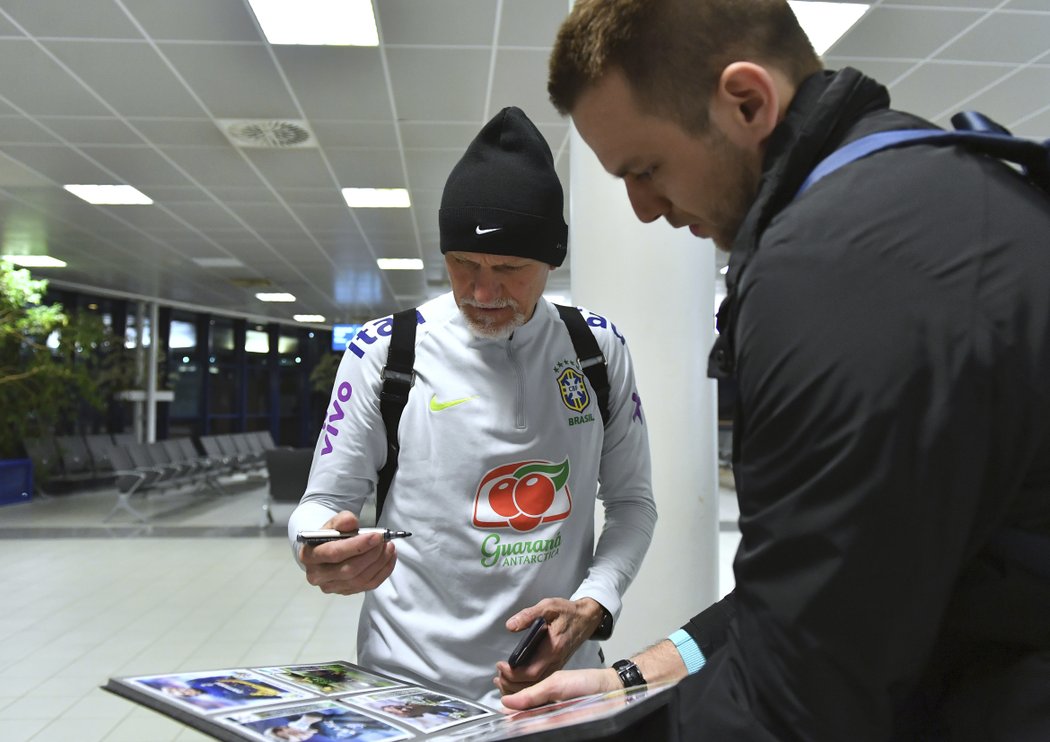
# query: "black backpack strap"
398,377
590,356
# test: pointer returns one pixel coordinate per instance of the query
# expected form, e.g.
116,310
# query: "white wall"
657,285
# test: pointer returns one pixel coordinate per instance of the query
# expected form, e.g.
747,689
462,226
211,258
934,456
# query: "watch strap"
629,673
605,628
688,650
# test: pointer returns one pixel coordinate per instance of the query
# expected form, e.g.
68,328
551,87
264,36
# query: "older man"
502,445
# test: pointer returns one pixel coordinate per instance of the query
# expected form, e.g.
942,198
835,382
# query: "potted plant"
44,384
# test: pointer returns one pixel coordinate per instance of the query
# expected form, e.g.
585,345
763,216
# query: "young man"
889,329
502,447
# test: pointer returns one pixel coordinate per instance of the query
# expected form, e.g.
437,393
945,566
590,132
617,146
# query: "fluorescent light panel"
317,22
308,317
275,296
826,23
218,262
35,261
114,195
399,264
376,198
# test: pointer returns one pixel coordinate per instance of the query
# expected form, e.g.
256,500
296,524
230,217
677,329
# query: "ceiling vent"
268,133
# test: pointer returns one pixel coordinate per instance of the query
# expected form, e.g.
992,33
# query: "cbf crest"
573,389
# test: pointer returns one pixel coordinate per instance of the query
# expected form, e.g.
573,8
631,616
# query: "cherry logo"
523,495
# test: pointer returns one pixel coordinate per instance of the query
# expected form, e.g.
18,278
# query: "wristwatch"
604,630
629,673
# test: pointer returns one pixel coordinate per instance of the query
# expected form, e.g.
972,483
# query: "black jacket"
889,331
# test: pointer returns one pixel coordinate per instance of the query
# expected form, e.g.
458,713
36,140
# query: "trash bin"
16,481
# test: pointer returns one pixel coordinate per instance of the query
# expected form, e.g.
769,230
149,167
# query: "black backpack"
399,375
979,133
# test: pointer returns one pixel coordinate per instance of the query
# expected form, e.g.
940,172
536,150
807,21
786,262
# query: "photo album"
341,701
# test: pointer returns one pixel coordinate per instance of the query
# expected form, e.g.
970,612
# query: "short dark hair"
672,52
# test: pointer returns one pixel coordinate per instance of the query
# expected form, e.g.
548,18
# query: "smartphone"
528,643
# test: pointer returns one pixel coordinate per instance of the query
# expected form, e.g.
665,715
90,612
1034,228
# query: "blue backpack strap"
590,356
398,377
973,130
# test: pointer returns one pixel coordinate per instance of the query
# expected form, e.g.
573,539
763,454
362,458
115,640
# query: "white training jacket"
502,450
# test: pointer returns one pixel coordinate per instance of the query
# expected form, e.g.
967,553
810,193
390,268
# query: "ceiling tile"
194,20
236,81
903,32
15,174
53,18
1036,127
1028,34
1034,5
437,22
520,80
935,89
342,83
42,86
180,132
1001,103
440,135
134,81
21,130
439,85
138,166
973,4
366,168
354,134
215,166
91,130
532,23
57,163
295,168
429,168
205,216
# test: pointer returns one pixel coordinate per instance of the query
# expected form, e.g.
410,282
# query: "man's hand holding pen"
349,565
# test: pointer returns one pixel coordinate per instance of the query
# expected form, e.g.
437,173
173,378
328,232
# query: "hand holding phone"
528,643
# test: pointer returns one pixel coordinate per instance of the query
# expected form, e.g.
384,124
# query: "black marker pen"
330,534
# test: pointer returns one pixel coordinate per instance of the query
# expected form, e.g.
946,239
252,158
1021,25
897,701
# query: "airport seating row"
145,468
137,469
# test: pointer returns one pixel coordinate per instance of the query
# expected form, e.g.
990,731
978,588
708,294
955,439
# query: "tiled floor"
202,587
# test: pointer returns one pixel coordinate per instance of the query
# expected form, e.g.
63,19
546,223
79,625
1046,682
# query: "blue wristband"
689,650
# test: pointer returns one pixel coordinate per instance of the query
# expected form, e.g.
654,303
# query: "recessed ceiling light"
115,195
825,23
275,296
317,22
308,317
376,198
399,264
35,261
218,262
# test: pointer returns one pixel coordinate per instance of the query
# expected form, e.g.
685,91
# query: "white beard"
488,330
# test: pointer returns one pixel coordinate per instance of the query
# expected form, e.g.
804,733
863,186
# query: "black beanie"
503,197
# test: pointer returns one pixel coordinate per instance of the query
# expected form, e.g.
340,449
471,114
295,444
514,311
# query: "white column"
137,406
151,375
657,285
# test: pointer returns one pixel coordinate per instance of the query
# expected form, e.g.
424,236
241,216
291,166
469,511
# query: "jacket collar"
825,107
